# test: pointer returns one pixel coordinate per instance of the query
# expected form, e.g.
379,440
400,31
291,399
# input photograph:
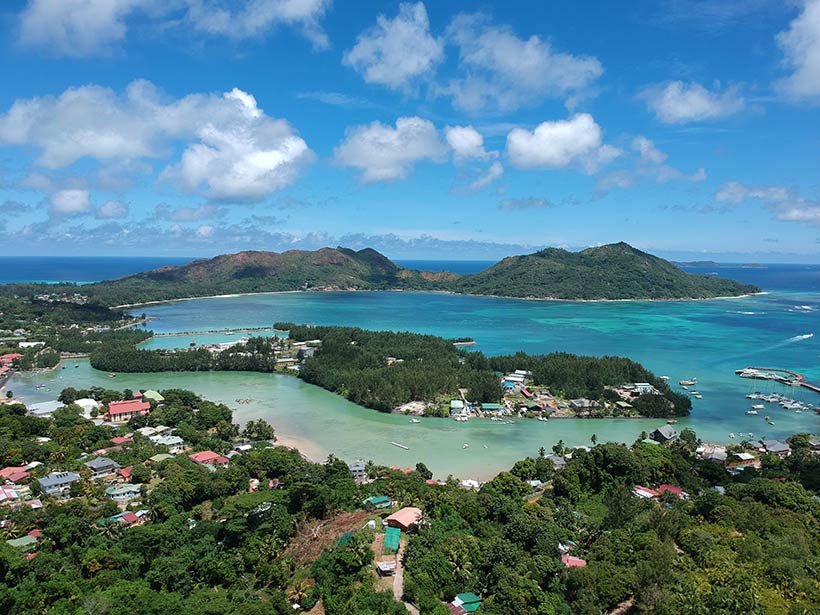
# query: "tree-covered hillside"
615,271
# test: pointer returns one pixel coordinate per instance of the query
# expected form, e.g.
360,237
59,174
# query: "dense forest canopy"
208,545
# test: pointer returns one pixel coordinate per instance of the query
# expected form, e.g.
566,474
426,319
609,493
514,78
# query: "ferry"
407,448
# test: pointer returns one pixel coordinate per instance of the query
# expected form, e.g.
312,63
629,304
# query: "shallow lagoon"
703,339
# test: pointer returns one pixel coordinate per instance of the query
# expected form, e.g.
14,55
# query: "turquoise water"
703,339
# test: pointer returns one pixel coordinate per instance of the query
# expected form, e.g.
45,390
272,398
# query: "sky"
450,130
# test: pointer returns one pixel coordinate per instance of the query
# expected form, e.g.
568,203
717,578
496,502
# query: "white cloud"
395,52
70,202
112,210
234,151
786,203
466,142
83,28
555,145
524,204
204,232
494,172
646,148
677,102
384,153
801,47
505,72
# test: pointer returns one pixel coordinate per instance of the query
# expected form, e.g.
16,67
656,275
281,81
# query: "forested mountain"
615,271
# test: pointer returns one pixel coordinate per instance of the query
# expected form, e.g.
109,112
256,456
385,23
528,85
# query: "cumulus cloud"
504,72
466,142
70,202
384,153
494,172
396,52
524,204
83,28
676,102
786,203
234,150
556,145
801,50
112,210
649,153
205,231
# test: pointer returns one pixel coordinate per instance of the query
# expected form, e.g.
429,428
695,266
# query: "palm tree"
111,530
594,439
462,566
298,591
542,452
10,531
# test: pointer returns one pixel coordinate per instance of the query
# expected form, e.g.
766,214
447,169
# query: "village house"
13,474
123,493
102,467
777,448
58,483
357,470
124,411
737,462
175,444
209,459
664,434
404,518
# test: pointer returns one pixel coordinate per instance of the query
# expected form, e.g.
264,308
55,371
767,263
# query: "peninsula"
611,272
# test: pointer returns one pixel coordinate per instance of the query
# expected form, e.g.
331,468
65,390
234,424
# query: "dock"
789,377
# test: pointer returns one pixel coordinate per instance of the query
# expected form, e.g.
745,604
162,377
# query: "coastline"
439,292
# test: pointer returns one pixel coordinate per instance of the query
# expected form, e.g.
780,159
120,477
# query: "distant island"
610,272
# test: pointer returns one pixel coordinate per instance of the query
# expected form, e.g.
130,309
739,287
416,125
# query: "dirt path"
398,580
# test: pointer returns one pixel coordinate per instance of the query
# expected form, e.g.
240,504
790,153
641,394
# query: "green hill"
614,271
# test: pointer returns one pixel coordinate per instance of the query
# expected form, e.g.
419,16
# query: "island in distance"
610,272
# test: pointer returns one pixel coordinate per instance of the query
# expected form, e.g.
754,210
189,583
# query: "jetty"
218,332
407,448
783,376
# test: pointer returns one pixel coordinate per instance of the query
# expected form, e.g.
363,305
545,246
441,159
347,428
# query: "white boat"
758,406
697,395
415,421
751,412
466,446
693,393
664,377
407,448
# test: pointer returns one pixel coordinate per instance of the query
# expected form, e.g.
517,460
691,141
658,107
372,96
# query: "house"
777,448
570,561
24,543
44,409
467,601
738,462
404,518
456,407
175,444
88,405
123,493
9,494
676,491
209,459
644,492
160,457
664,434
558,462
375,502
9,359
386,569
124,411
58,483
643,388
491,407
357,470
121,439
13,473
153,396
814,446
102,467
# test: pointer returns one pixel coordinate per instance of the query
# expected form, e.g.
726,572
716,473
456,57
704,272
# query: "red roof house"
8,359
121,440
124,411
570,561
676,491
129,518
404,518
125,472
13,473
209,458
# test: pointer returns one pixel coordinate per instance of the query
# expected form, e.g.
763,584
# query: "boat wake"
792,340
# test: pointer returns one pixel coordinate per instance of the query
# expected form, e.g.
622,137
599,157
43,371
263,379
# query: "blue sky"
688,128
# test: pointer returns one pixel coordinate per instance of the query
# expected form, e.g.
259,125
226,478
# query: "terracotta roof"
208,458
121,439
671,489
129,518
405,517
13,473
128,406
570,561
125,472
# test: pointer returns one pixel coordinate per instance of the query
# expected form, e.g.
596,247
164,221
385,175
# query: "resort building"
777,448
124,411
